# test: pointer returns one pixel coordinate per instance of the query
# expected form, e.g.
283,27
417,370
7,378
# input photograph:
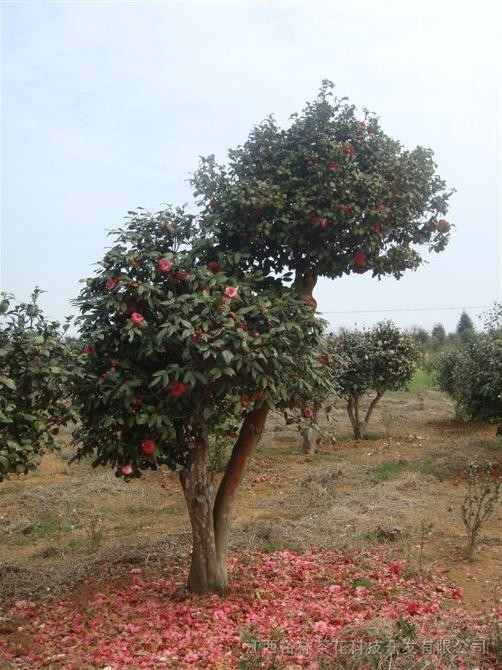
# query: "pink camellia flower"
164,265
148,447
112,284
349,150
179,389
308,413
137,318
231,292
324,223
359,259
126,469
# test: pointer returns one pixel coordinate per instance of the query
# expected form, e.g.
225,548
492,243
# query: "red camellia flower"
196,335
137,318
313,220
214,266
382,208
376,228
179,389
139,398
164,264
395,569
413,608
334,167
126,469
112,284
359,259
89,349
244,400
148,447
324,223
349,150
231,292
308,413
346,209
176,277
443,226
260,397
323,360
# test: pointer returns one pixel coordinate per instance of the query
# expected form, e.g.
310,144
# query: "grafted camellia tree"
175,347
330,195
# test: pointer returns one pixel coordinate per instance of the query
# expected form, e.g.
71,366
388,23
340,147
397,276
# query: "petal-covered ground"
284,610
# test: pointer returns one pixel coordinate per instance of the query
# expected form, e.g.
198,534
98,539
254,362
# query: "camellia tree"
377,360
176,348
37,365
330,195
471,373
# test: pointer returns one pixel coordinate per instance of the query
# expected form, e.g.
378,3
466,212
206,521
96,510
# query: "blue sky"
107,106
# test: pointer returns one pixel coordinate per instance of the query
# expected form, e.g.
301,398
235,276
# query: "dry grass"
66,522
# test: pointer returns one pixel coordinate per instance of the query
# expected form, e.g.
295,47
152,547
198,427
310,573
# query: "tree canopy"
330,195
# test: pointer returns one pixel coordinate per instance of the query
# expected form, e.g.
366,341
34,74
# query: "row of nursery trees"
195,321
437,339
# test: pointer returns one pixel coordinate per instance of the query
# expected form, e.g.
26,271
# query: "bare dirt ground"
403,488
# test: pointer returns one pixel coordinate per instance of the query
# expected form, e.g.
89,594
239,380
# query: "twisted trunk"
305,283
206,574
209,513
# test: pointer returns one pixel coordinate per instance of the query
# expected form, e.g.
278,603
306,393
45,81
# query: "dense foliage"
37,366
471,374
179,349
330,195
175,347
377,360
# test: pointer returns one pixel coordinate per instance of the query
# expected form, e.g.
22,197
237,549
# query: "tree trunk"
210,514
207,573
305,283
249,436
499,429
359,426
308,441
